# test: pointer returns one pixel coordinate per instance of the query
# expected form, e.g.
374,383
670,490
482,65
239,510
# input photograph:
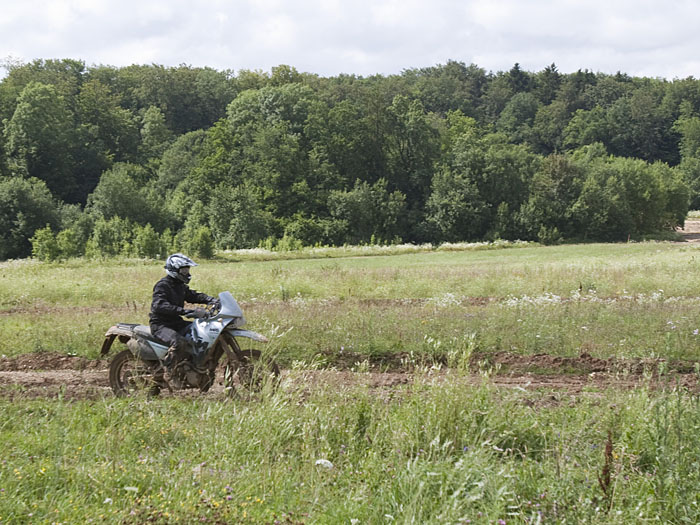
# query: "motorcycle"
141,366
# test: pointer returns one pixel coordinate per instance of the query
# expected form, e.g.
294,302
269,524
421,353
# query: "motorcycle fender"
107,344
250,335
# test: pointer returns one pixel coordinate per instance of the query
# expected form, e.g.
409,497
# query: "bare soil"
691,230
52,375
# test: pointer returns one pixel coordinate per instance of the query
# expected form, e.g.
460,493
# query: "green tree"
601,211
453,86
147,242
71,242
39,140
370,211
27,206
548,127
120,195
44,245
640,128
237,218
517,117
155,135
180,159
554,189
201,243
688,127
547,83
587,127
455,210
412,149
110,238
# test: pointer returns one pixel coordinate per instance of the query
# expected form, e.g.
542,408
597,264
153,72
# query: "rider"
167,308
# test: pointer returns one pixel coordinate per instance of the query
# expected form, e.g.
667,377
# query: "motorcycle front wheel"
129,375
250,374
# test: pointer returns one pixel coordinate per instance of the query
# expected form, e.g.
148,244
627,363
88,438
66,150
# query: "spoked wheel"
250,374
130,376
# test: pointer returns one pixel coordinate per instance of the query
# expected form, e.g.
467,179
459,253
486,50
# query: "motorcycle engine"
192,377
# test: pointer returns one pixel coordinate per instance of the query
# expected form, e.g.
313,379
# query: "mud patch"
50,361
54,375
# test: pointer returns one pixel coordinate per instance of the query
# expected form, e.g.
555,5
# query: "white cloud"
639,37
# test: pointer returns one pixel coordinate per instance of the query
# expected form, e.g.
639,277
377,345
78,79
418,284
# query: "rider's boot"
170,363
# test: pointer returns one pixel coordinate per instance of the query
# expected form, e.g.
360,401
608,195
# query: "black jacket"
169,296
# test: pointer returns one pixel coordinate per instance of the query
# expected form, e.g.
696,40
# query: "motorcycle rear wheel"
250,375
129,376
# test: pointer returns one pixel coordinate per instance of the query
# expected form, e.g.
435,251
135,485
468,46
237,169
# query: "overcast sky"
328,37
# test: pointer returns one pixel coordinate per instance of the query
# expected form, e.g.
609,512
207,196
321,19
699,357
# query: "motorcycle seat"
142,331
145,332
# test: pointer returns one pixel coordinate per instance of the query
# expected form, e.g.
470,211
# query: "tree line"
145,159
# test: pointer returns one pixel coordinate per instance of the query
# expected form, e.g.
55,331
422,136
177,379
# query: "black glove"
197,313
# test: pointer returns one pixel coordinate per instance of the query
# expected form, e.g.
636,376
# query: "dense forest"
145,159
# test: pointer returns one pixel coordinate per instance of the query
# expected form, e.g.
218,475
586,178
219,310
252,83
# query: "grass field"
623,300
438,449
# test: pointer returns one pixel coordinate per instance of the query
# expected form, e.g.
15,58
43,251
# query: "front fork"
231,348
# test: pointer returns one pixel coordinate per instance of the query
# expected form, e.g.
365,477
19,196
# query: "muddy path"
691,230
53,376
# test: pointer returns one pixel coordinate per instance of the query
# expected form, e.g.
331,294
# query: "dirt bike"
141,366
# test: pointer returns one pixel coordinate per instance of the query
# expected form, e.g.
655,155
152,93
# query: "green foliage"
315,231
27,206
121,193
237,218
201,243
39,140
110,238
455,208
369,211
155,135
147,243
44,245
71,242
448,152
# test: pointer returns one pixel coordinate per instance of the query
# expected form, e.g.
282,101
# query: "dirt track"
48,375
691,230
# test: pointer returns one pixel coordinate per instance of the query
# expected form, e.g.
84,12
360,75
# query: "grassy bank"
624,300
432,453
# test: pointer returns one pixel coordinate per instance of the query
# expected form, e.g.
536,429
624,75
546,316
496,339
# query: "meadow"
445,447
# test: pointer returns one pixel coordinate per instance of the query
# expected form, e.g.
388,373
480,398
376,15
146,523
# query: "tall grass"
437,450
434,452
628,300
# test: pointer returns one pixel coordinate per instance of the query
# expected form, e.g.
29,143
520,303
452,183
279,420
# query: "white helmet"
177,261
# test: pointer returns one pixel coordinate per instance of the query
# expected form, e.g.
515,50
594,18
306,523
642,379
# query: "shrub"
44,245
70,243
201,243
109,238
147,242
